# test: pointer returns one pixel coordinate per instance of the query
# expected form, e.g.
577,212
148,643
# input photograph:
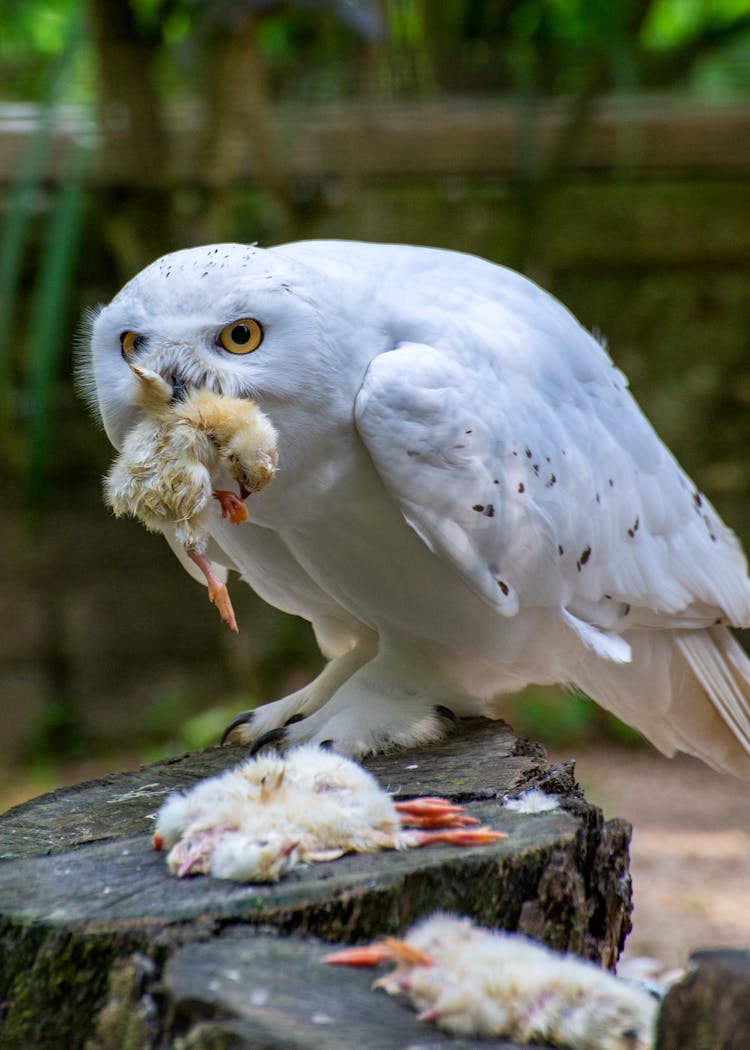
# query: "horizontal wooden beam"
643,136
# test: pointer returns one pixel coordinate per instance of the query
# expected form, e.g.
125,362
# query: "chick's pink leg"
217,591
392,949
452,837
231,505
433,813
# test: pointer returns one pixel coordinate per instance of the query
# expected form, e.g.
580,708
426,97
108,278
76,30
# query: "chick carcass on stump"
472,981
163,473
271,813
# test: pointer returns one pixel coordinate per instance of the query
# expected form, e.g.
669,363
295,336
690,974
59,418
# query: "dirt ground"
690,854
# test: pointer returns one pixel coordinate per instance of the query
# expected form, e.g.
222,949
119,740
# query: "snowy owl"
468,499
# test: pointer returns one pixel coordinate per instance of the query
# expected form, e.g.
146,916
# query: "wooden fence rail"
644,135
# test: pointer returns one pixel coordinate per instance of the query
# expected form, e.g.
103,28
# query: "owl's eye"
241,337
130,344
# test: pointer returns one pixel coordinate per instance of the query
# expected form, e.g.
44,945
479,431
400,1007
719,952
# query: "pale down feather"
477,982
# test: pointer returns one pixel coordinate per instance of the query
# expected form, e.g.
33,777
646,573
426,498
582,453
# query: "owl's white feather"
471,499
476,982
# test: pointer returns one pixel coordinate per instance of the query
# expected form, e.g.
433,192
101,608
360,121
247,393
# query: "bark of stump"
709,1009
100,948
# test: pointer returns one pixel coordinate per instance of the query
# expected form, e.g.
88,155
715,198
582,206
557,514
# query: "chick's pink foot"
454,837
433,813
390,950
231,505
217,591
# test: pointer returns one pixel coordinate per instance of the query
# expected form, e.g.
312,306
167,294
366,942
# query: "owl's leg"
250,726
392,701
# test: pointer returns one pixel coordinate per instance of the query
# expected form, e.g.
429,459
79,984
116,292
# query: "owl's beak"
178,388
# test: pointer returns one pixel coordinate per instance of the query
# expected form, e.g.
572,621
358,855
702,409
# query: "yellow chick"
271,813
476,982
163,473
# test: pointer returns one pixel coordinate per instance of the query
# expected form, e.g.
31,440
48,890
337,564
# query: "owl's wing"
540,479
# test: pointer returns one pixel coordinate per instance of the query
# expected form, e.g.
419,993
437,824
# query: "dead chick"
272,813
473,981
163,475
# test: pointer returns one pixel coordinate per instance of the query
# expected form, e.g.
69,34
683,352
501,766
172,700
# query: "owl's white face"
237,319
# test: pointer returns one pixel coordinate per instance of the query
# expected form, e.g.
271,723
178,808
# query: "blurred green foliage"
129,62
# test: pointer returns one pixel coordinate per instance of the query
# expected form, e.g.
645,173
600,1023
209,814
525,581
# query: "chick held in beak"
163,475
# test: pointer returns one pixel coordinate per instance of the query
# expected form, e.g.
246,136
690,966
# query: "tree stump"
100,948
710,1006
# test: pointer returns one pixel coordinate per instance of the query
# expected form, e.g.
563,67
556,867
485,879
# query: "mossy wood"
709,1009
100,947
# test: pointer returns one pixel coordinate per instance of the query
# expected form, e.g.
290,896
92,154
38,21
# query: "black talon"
273,736
242,719
326,745
295,718
445,712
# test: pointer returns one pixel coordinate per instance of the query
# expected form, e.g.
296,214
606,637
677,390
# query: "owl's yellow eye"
130,344
241,337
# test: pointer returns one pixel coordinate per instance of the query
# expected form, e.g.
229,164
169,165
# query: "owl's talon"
269,739
244,718
231,505
446,713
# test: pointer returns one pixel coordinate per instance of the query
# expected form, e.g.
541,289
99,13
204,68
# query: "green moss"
52,982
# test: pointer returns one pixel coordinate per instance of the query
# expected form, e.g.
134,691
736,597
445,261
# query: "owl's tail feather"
684,690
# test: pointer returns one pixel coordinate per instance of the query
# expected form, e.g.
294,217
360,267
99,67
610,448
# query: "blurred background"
601,148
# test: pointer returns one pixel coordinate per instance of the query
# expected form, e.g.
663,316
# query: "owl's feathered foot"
217,591
365,701
354,732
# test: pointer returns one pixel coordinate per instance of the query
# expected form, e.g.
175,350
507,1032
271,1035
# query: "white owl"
468,498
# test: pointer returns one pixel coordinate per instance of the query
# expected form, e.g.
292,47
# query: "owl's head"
240,320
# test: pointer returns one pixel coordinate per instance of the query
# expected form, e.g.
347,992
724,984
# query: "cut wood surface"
96,937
